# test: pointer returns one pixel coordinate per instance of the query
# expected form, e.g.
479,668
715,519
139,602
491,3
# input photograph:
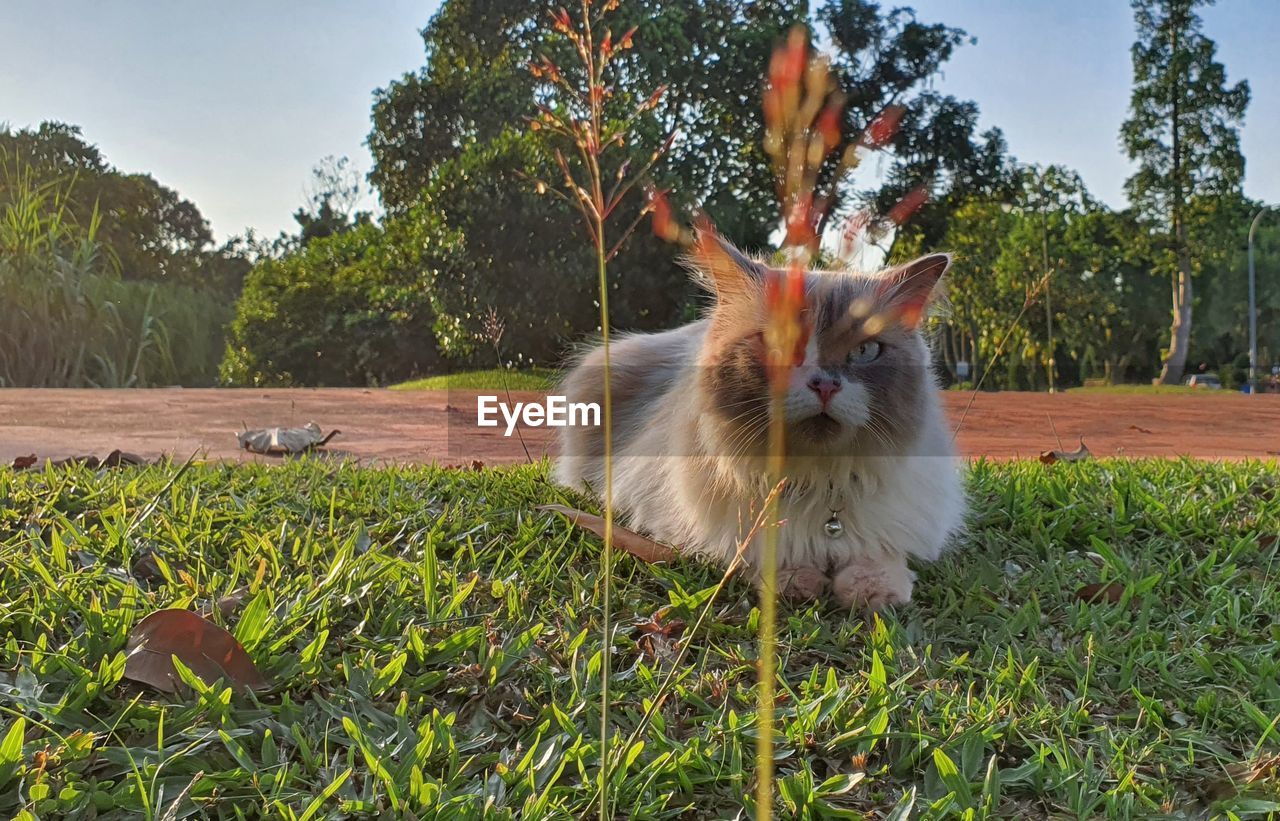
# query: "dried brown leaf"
642,547
117,457
285,441
1094,593
146,567
658,637
1081,453
227,605
209,651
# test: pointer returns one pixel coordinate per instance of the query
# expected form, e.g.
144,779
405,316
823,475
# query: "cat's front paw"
802,583
873,584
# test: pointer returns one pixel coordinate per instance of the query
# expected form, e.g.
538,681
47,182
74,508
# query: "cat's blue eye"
865,353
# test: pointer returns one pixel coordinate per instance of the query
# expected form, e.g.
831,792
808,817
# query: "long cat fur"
690,413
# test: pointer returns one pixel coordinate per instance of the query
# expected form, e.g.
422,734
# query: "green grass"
1150,390
433,641
535,379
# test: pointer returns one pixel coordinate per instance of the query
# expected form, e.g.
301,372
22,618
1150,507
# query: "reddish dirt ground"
430,426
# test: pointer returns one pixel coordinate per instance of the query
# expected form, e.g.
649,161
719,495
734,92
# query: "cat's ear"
908,289
730,272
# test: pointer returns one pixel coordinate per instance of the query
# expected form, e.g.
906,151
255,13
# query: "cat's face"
861,384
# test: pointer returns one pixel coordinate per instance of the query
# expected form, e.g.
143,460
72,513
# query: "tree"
711,54
335,191
148,231
1101,307
352,308
1223,328
475,84
1182,131
884,62
445,134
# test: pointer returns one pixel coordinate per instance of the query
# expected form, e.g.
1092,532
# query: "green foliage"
432,643
69,320
355,307
1183,132
1180,94
146,230
335,190
888,57
1223,330
475,86
442,140
1106,307
522,254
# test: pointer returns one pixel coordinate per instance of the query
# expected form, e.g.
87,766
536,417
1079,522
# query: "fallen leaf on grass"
114,459
285,441
1140,429
1093,593
1241,774
642,547
146,568
1267,542
658,637
227,605
209,651
1048,457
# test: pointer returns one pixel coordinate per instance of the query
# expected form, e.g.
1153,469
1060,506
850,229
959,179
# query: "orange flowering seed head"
828,125
883,127
786,330
664,224
908,205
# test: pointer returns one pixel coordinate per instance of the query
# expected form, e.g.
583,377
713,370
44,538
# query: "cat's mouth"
820,426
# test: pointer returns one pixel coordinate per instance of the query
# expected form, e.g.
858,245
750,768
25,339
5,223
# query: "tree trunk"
1180,332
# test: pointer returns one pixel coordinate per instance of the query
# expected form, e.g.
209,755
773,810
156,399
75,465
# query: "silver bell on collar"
833,527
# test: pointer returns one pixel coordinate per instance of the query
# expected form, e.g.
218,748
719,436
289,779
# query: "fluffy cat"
872,474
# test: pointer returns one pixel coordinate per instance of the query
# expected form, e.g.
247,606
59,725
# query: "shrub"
524,255
69,320
354,308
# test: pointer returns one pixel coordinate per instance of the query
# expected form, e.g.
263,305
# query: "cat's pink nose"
824,386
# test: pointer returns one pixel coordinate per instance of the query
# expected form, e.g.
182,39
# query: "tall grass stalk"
803,111
577,116
68,318
803,115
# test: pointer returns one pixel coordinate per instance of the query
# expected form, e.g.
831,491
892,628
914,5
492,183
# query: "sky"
232,103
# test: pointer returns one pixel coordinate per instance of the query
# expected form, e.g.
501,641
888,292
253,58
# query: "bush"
376,305
526,256
69,320
354,308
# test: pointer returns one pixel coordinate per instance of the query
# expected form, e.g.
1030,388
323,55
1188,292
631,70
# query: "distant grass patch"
433,643
535,379
1145,390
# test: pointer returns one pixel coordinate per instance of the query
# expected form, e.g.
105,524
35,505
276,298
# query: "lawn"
432,645
534,379
1152,390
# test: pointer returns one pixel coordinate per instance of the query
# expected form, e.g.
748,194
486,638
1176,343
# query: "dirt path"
438,426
